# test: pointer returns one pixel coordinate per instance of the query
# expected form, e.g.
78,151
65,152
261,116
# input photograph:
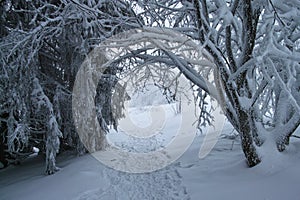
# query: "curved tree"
254,46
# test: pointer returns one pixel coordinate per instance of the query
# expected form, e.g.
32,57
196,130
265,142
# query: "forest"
249,65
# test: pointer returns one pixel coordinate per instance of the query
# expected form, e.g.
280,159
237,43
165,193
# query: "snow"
222,174
143,120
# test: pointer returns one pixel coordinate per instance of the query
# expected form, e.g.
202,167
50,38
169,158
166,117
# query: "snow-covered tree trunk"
236,69
44,109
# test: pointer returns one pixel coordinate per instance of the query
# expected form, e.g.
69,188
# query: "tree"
254,46
43,44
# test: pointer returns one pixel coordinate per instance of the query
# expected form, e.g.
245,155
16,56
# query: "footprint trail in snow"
163,184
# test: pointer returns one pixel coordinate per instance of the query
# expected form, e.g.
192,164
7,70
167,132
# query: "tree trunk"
247,140
2,152
3,128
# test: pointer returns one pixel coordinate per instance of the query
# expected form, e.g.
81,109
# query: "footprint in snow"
163,184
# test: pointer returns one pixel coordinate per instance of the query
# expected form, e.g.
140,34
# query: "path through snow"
163,184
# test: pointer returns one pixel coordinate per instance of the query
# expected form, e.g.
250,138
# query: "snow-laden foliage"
254,46
43,44
43,109
251,51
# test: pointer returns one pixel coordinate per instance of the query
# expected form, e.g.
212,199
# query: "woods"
253,48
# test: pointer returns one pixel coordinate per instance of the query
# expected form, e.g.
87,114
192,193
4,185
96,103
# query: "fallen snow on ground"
222,174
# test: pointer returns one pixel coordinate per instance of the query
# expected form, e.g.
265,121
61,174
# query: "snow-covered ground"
222,174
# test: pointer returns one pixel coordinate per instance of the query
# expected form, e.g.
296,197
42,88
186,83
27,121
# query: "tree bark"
3,128
2,152
247,140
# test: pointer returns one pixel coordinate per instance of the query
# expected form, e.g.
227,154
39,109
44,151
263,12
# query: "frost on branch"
44,109
254,48
49,40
